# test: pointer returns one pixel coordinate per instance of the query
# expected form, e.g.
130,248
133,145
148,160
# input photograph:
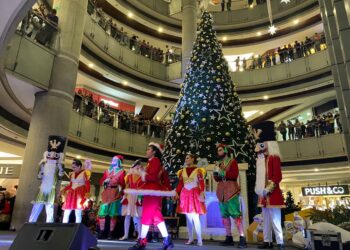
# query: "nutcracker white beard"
260,174
49,177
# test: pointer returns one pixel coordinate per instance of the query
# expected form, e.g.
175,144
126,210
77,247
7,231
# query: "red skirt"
190,203
75,198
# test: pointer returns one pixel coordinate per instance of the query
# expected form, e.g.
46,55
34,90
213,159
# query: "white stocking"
126,226
49,213
66,214
78,215
144,231
197,226
162,228
137,224
189,224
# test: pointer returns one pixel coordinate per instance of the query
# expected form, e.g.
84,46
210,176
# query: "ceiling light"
308,114
251,6
78,157
158,118
265,97
261,112
8,155
296,21
272,29
91,65
316,169
160,29
159,94
285,1
248,114
125,83
258,33
224,38
130,14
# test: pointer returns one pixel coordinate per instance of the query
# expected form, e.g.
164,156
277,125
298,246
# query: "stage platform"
6,239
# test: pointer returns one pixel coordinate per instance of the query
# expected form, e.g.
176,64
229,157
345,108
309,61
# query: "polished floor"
6,239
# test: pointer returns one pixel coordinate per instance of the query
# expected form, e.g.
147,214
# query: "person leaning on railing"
45,35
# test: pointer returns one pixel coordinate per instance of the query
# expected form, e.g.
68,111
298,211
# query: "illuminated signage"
10,171
325,190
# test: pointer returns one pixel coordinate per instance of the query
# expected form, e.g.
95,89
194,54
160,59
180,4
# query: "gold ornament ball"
204,119
227,133
208,139
218,79
178,151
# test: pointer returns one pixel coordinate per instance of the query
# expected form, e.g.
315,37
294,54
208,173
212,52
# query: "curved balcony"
94,134
235,19
304,71
313,64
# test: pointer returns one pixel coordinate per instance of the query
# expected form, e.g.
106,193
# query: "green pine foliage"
290,205
209,110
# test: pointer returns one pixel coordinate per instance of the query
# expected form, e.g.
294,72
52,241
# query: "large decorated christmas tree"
209,110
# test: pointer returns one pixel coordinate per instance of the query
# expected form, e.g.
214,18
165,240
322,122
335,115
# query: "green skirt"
112,209
231,208
46,198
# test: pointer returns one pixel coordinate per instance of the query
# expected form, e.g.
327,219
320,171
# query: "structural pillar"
189,28
341,81
52,109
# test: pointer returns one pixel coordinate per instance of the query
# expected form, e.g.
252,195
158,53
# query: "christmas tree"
209,110
290,205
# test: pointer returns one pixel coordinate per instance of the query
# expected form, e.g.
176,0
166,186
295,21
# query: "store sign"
325,190
10,171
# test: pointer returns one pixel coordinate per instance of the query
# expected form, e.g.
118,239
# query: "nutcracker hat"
160,147
264,131
56,143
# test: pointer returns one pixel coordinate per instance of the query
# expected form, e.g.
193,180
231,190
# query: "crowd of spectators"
133,42
85,104
284,54
228,4
317,126
40,24
7,202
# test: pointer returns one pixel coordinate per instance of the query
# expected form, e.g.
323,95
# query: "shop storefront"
9,177
325,197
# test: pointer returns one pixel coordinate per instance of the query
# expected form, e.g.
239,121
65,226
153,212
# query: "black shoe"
101,235
242,242
228,241
111,236
167,243
266,245
280,247
140,245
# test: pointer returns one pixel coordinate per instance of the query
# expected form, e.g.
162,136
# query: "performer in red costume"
113,183
155,184
228,190
131,202
191,194
268,178
76,192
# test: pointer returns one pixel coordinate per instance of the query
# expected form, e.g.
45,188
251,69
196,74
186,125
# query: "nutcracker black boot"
228,241
266,245
242,242
140,245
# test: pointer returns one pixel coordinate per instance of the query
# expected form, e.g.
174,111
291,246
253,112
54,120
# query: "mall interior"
110,75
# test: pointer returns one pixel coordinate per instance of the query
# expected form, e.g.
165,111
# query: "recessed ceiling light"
8,155
316,169
251,6
224,38
296,21
130,14
160,29
78,157
91,65
159,94
265,97
308,114
261,112
258,33
125,83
